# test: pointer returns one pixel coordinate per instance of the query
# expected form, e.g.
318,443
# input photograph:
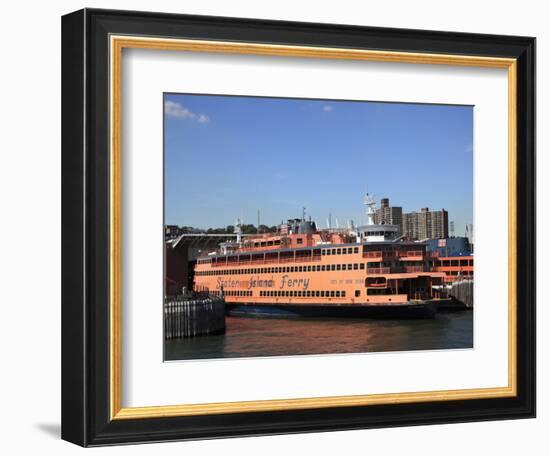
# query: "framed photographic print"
278,227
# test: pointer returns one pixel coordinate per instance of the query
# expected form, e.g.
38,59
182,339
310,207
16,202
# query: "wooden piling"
193,316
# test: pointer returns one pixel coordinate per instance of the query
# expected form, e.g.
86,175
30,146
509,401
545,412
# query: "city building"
388,215
426,224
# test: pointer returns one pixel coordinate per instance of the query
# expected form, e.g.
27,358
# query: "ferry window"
362,266
355,266
317,293
299,268
295,293
338,267
323,252
337,294
332,294
350,250
318,267
356,250
357,293
322,294
454,262
338,251
350,266
463,262
299,241
344,294
309,269
333,267
329,252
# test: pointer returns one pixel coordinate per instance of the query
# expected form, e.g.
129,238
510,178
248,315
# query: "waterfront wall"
189,317
463,292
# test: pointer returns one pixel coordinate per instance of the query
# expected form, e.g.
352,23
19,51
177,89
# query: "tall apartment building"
388,215
426,224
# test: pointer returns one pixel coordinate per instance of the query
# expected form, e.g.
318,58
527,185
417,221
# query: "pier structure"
195,314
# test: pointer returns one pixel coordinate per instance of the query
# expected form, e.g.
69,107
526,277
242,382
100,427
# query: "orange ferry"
302,271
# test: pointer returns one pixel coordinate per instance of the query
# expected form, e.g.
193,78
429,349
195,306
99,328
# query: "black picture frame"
85,228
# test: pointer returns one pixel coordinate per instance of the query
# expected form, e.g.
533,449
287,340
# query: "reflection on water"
252,337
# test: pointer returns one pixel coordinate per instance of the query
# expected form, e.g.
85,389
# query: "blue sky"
227,157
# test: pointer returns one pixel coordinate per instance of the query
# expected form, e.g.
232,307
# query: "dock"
193,315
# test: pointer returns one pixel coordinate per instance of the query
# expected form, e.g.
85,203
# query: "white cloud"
327,108
177,110
203,118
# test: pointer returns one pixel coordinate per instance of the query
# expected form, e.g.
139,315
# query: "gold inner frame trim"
117,44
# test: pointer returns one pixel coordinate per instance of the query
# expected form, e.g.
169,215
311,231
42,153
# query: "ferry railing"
378,254
286,260
414,268
411,253
378,270
297,259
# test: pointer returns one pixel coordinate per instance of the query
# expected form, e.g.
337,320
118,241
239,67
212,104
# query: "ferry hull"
423,309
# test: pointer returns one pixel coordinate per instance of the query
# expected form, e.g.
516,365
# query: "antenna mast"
237,230
370,202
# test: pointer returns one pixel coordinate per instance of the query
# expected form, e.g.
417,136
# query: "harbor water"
254,337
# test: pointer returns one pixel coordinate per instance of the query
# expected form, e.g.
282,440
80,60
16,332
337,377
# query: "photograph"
270,225
297,226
